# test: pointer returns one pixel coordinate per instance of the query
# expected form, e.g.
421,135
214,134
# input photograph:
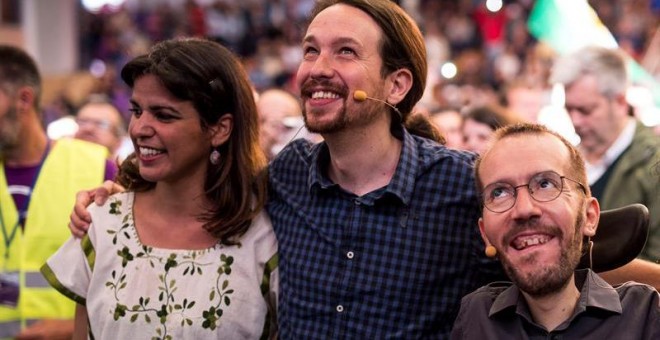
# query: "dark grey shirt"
499,311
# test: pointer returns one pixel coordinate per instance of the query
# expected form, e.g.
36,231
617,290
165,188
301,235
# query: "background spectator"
618,149
480,123
280,120
450,123
101,122
39,180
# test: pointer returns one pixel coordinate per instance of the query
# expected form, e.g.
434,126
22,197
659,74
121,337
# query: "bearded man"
537,211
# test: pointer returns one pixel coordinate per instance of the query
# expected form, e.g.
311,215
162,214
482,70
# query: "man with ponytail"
377,225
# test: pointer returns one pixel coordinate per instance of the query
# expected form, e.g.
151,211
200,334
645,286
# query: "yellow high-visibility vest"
71,166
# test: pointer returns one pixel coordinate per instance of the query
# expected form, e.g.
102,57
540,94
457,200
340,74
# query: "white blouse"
133,291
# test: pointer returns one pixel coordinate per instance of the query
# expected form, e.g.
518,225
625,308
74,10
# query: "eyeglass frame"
101,124
529,190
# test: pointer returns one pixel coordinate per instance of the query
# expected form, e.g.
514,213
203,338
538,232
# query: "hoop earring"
491,251
214,157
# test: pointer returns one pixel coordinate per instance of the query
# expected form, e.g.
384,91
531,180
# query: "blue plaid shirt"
393,263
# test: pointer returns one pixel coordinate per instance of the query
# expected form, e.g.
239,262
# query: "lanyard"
9,237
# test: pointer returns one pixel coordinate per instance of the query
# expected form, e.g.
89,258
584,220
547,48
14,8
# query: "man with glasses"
101,122
536,215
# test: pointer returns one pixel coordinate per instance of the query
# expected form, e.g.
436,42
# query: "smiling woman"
191,223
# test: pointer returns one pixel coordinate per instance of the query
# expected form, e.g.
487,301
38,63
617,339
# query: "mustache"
532,225
308,87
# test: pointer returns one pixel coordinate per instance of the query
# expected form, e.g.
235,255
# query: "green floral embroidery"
115,207
214,313
177,265
125,255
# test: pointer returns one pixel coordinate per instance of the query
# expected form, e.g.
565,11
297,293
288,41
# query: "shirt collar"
620,144
507,299
594,292
401,185
320,158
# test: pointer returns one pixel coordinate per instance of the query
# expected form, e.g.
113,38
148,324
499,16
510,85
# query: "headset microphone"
360,96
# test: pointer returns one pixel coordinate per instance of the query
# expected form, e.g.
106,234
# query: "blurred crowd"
497,61
485,72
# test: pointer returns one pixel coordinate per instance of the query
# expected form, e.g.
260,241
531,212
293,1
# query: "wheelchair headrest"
620,237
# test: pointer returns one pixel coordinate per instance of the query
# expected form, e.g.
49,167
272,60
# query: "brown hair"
423,127
402,46
213,80
577,168
18,69
492,115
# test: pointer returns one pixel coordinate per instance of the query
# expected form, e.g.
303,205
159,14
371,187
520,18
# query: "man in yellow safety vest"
38,182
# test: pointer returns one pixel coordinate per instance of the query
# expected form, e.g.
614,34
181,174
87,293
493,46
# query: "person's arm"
48,329
274,288
80,217
80,323
638,270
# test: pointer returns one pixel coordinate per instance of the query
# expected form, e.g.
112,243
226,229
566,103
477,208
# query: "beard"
337,124
360,114
367,113
9,130
591,139
549,278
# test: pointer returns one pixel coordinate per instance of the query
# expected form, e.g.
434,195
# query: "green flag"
567,25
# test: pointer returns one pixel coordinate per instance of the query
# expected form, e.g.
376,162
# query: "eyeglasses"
543,187
102,124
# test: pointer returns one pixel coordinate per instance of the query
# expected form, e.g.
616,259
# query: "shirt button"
350,254
340,308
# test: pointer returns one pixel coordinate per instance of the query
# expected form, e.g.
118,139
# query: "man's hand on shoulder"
80,217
